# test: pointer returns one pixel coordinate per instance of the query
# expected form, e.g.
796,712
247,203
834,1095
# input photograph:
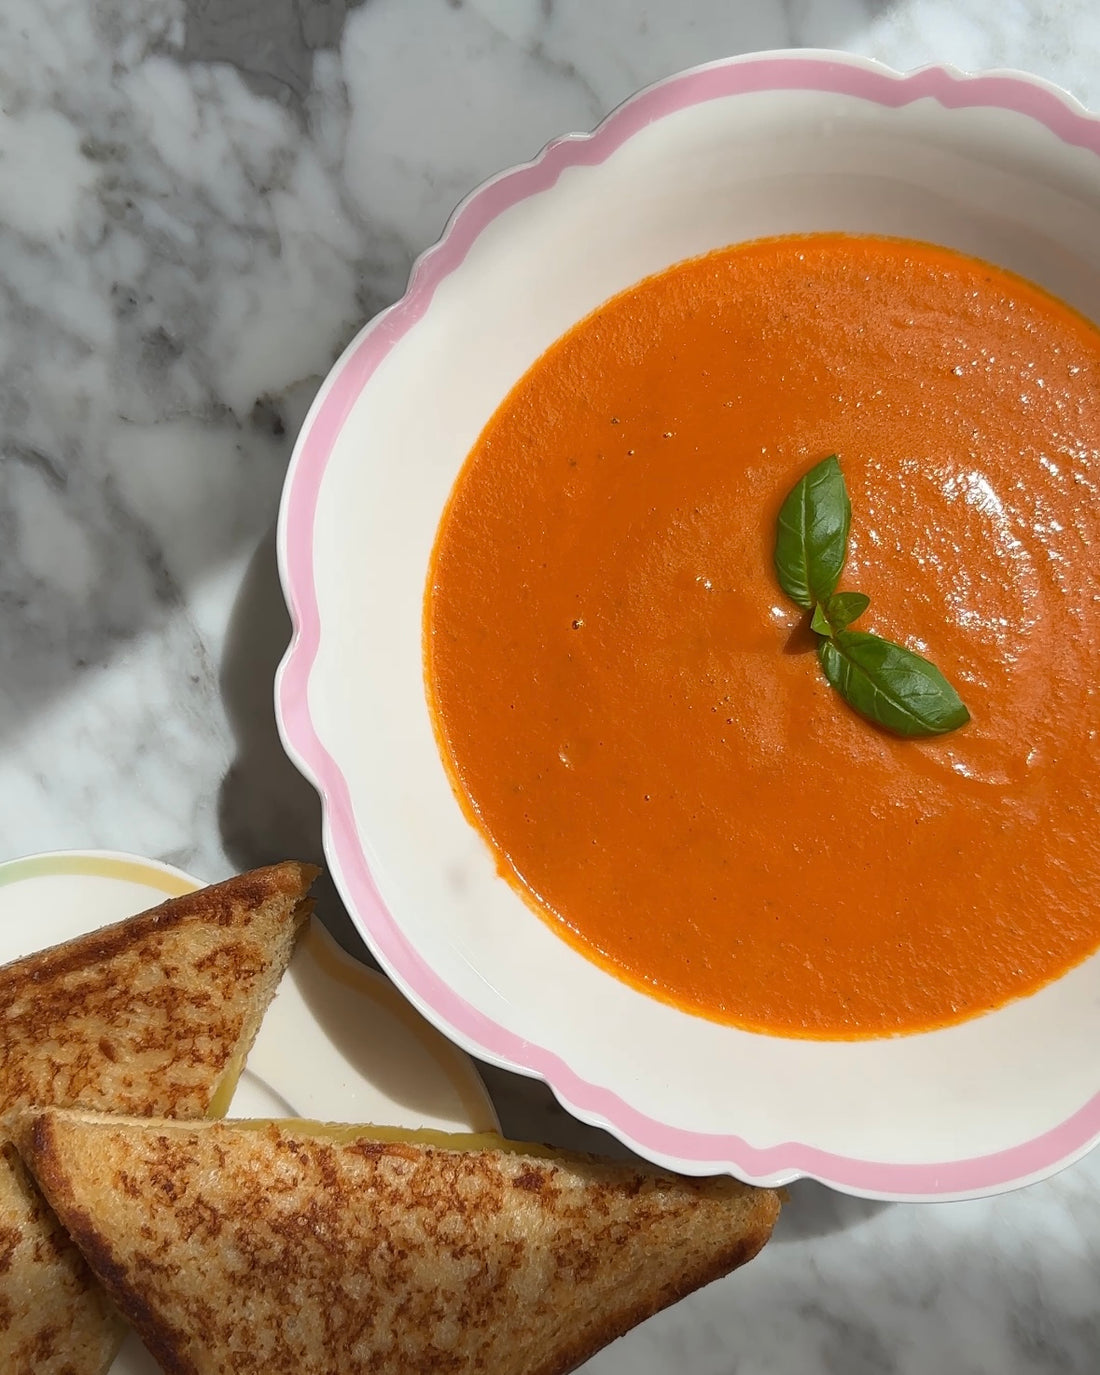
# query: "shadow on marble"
270,42
814,1210
267,811
528,1111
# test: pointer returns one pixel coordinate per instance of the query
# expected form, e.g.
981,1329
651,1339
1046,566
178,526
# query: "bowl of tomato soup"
622,798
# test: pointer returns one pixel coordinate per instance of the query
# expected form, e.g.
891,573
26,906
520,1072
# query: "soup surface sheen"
632,713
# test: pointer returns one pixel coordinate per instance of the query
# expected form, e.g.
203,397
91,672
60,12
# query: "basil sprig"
886,683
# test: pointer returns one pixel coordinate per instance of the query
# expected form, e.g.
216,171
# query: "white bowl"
1001,166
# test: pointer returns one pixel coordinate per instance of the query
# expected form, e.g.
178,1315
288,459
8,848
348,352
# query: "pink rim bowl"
1000,165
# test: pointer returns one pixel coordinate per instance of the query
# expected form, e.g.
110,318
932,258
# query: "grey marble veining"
200,202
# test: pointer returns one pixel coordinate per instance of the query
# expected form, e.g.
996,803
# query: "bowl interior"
552,242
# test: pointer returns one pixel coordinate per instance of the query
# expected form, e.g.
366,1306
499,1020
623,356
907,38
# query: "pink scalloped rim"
692,1152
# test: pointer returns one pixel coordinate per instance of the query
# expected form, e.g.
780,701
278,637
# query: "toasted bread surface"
144,1016
147,1016
271,1249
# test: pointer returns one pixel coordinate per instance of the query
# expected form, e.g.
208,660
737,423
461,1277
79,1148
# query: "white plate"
337,1043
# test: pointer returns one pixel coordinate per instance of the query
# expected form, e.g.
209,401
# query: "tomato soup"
632,713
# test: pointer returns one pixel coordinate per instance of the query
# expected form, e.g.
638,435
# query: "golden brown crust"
146,1016
219,904
269,1249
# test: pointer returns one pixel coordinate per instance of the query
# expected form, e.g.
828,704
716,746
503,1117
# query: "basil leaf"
891,686
811,542
839,611
820,621
843,608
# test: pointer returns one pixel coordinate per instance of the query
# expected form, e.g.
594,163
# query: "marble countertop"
200,202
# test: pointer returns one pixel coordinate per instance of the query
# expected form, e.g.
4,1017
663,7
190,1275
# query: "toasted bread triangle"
152,1015
237,1249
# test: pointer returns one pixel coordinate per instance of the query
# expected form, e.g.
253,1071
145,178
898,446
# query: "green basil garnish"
890,685
811,542
886,683
839,611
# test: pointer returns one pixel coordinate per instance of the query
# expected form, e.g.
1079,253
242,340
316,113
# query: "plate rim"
816,70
